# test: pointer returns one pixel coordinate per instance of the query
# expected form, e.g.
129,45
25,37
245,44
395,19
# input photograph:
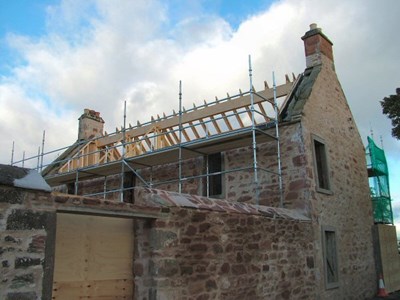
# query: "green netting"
379,183
382,210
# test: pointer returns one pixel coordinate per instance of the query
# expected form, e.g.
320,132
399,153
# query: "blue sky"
59,57
20,17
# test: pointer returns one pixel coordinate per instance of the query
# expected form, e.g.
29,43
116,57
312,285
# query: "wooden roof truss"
227,115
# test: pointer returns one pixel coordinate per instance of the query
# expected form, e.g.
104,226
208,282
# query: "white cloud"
98,54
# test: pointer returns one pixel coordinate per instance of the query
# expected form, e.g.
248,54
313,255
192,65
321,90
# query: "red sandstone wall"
200,254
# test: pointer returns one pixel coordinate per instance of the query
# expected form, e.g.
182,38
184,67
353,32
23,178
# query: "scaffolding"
243,120
378,174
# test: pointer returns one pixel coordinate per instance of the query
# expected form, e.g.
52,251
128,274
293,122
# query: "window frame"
321,157
334,255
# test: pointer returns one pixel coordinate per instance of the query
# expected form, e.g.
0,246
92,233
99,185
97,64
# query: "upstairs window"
213,186
129,187
321,165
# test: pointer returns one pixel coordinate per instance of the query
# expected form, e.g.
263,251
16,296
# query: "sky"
58,57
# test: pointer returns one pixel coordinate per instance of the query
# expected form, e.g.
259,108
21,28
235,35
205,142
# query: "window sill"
324,191
332,285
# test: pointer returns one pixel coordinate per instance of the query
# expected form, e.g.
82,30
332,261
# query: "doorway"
93,258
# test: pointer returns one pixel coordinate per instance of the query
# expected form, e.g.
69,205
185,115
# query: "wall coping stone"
157,198
95,206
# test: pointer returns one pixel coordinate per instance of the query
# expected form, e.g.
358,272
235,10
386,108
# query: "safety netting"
378,174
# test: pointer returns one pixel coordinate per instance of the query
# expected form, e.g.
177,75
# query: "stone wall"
214,249
26,234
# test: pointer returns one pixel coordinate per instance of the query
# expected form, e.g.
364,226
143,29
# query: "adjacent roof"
22,178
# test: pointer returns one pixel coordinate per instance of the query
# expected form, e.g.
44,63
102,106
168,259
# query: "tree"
391,108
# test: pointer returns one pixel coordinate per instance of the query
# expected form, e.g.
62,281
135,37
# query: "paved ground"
392,296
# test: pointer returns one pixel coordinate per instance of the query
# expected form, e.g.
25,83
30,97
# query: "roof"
22,178
213,127
301,92
210,128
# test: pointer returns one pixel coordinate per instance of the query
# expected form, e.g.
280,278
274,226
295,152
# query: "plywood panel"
70,248
110,243
94,257
100,289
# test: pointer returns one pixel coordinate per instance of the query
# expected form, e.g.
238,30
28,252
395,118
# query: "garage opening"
93,258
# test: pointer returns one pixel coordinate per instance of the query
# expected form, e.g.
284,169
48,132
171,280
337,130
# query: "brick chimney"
90,125
316,45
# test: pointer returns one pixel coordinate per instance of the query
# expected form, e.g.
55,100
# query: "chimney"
90,125
316,44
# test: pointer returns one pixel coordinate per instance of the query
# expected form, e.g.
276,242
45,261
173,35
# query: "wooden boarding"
94,258
99,289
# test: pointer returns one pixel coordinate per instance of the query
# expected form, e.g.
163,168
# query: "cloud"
97,54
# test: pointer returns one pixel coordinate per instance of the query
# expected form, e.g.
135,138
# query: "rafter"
240,101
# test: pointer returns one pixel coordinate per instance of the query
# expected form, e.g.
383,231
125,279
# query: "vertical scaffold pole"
76,181
253,129
180,138
208,176
38,159
23,158
151,176
41,157
12,153
105,187
123,157
278,142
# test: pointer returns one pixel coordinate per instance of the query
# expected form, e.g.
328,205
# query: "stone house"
215,202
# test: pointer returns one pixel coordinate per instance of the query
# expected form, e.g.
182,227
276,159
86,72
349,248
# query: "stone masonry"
212,249
186,246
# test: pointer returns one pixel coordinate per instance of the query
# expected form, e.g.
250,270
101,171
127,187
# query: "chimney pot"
313,26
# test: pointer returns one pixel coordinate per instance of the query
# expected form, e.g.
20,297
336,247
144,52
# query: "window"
213,185
321,165
330,257
71,188
129,185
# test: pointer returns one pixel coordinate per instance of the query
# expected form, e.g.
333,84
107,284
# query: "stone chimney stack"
90,125
316,45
